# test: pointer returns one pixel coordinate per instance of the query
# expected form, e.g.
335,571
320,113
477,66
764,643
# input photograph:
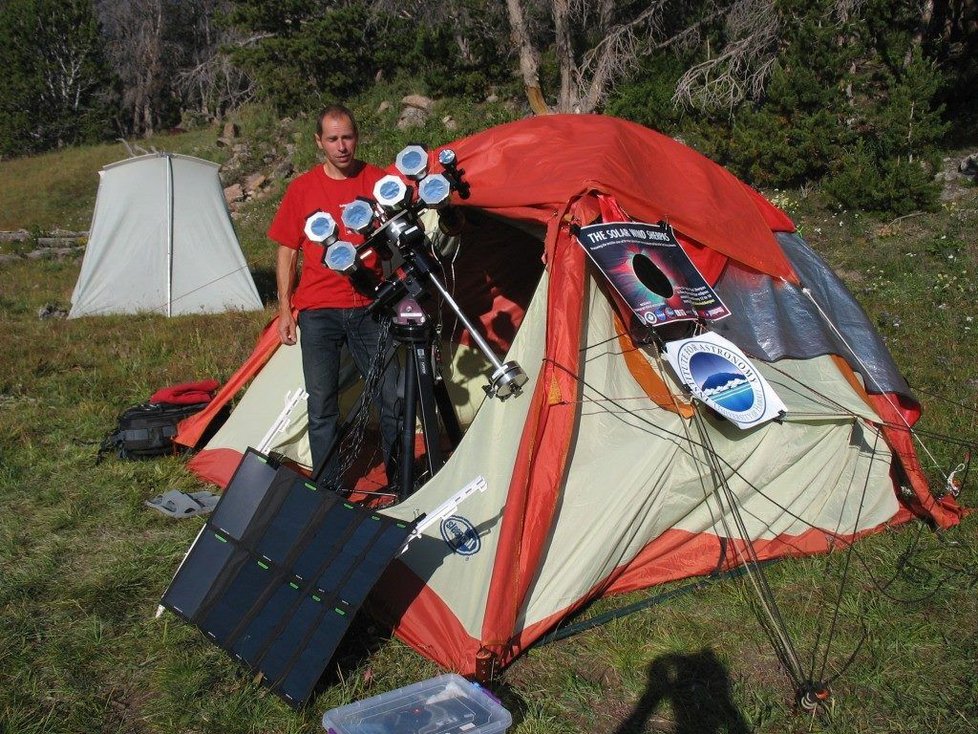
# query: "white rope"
868,374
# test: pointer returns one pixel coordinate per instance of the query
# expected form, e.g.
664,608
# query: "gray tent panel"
773,320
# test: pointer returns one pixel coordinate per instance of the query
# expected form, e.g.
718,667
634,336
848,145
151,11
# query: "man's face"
339,142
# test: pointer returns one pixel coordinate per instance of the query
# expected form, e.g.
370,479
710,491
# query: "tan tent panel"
639,475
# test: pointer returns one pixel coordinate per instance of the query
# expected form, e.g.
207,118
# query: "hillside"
84,562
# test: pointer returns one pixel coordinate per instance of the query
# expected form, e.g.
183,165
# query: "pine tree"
55,85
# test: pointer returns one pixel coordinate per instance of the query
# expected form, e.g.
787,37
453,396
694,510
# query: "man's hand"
286,328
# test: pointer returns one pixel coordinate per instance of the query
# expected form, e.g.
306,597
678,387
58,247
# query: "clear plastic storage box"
448,704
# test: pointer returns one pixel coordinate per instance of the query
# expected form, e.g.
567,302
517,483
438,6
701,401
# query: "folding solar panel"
279,571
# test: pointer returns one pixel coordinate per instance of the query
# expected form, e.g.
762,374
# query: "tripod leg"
449,417
421,354
406,468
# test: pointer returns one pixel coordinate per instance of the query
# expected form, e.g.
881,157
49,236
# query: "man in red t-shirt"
331,311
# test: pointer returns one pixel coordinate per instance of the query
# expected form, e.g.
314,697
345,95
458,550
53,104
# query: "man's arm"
285,279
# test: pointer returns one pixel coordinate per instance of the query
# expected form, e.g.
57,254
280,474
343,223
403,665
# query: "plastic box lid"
448,704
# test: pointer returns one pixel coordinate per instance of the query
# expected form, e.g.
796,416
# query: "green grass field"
83,563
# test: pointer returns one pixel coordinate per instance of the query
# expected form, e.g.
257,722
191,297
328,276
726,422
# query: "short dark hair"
336,110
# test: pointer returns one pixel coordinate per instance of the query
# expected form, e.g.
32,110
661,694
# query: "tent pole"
169,234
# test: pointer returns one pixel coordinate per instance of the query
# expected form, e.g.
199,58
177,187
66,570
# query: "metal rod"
169,234
476,336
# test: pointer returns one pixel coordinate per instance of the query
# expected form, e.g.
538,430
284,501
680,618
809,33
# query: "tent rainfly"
604,476
161,241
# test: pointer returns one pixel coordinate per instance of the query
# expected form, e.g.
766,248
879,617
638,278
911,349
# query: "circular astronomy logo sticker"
460,535
723,379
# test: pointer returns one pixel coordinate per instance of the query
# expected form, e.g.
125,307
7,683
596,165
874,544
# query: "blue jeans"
323,332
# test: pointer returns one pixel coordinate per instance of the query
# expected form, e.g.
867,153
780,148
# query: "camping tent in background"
603,477
161,241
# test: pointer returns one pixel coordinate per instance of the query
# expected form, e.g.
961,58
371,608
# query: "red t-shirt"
320,287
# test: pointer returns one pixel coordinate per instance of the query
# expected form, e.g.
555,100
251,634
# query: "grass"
57,189
83,563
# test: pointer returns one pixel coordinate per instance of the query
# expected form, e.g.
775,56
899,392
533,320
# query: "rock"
283,170
383,107
492,98
968,167
449,122
49,253
233,193
254,182
231,131
418,101
50,311
6,259
411,117
19,235
56,241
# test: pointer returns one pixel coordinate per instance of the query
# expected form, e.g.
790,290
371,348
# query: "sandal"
180,504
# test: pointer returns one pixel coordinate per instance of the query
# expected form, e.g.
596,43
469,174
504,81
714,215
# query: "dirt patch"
124,711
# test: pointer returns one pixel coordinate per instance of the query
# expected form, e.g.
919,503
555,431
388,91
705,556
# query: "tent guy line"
868,373
710,452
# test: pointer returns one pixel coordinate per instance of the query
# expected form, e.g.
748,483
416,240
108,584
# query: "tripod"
425,396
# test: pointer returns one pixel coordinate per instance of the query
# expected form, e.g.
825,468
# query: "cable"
775,626
971,408
845,573
868,373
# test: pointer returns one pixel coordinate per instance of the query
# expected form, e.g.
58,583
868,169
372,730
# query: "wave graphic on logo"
720,381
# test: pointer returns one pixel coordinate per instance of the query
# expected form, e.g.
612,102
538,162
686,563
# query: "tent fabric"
596,486
586,153
656,488
161,241
773,319
272,373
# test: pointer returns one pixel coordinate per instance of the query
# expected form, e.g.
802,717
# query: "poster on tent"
716,372
648,268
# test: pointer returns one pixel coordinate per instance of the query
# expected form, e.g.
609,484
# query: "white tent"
161,241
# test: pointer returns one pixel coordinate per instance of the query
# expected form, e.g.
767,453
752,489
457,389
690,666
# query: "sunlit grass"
83,563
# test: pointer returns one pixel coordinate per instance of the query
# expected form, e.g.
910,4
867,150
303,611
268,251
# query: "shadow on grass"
698,687
265,284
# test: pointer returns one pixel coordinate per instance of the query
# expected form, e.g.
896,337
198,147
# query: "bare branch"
622,46
741,70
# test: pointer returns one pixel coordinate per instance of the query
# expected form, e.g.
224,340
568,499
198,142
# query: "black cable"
352,440
971,408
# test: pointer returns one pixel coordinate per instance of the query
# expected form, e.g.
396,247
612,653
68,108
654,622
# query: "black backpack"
146,430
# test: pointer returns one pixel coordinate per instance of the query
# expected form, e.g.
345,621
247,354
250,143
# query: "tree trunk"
922,32
567,100
529,59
